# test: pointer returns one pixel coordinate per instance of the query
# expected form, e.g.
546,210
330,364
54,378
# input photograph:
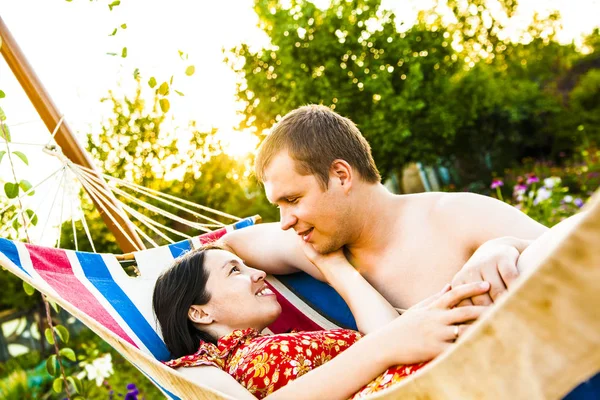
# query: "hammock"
538,342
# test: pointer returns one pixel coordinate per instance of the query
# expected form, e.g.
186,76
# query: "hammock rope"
95,195
10,202
58,187
98,191
60,121
146,190
86,228
95,182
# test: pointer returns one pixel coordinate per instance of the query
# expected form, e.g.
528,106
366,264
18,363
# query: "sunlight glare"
237,144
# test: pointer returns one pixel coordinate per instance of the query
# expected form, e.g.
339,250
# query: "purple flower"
131,386
496,183
578,202
520,188
532,179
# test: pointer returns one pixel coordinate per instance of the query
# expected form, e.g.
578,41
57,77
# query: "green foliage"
51,364
550,193
451,91
29,290
352,58
189,71
22,156
14,387
67,353
23,362
62,333
11,190
585,106
12,295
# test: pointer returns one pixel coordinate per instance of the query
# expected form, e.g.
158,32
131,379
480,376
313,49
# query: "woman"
211,308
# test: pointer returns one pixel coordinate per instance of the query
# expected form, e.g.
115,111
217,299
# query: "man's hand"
495,262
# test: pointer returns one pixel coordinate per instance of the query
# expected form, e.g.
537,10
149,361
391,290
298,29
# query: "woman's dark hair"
177,289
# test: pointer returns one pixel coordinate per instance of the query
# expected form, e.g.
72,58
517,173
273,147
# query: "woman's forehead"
217,259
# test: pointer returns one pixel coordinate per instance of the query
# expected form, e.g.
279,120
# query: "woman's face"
240,298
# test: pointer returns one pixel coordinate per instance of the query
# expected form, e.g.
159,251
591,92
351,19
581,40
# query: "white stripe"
196,244
152,262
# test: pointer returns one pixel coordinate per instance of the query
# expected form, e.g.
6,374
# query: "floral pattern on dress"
266,363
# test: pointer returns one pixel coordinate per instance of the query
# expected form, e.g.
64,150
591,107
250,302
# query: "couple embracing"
442,257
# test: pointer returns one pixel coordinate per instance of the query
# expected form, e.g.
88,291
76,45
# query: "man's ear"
198,315
342,171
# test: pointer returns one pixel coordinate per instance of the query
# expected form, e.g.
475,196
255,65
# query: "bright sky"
67,42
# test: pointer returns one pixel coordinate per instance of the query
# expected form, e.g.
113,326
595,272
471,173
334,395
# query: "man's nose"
287,218
257,275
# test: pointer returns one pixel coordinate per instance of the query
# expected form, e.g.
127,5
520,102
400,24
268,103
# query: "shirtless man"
317,168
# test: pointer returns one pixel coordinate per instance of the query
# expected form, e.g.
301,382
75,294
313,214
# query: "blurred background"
498,97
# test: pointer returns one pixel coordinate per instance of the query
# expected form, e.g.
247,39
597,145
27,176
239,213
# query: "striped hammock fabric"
549,321
98,287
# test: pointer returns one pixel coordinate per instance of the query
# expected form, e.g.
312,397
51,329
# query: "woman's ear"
198,315
342,172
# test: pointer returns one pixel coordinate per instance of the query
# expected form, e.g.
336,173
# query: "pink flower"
532,179
496,183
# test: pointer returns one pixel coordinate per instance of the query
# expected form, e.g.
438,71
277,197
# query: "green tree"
352,58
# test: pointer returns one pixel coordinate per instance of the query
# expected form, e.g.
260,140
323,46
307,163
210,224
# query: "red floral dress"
266,363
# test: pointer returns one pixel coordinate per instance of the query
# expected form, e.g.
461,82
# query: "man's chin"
326,248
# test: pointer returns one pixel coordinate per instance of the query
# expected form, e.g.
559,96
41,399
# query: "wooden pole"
65,138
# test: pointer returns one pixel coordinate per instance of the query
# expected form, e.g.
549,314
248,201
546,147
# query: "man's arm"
269,248
499,233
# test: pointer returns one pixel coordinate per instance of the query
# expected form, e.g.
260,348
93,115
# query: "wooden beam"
65,138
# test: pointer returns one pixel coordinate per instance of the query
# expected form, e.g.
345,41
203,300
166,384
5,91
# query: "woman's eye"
233,269
294,200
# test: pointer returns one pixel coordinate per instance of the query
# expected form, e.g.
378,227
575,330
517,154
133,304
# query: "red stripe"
212,236
54,267
291,318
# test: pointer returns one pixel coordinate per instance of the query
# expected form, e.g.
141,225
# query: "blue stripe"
244,223
179,248
588,390
320,297
97,273
10,251
162,388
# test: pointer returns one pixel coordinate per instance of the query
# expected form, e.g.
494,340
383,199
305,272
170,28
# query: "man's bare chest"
411,272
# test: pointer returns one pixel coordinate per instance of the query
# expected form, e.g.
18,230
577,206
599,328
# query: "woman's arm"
370,309
419,335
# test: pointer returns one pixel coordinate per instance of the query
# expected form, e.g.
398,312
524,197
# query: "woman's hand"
427,329
326,263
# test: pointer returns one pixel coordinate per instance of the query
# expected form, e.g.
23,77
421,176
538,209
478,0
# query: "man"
318,169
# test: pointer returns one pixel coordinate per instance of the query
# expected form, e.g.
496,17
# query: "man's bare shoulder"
483,218
464,201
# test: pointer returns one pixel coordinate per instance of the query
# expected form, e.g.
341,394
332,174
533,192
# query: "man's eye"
294,200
